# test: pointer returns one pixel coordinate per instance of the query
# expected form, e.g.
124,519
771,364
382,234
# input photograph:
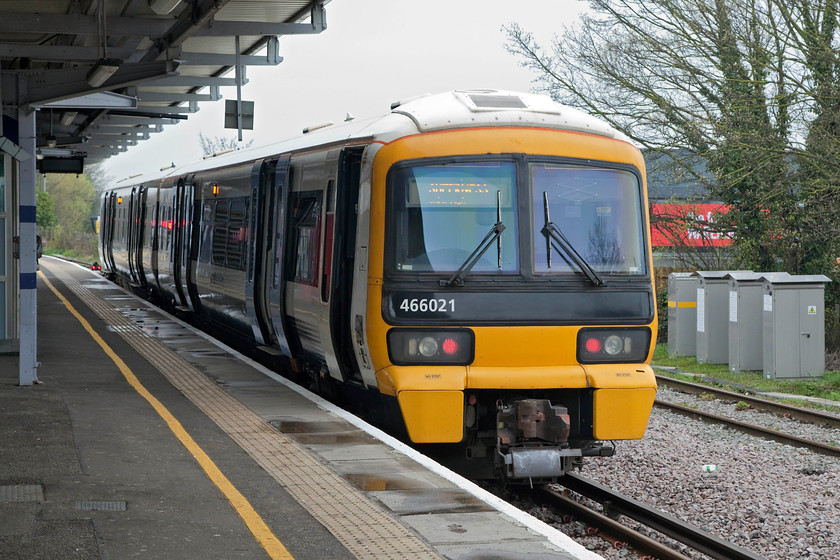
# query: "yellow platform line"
252,519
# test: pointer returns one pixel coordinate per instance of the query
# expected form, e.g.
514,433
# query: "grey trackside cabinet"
793,310
682,314
745,320
713,316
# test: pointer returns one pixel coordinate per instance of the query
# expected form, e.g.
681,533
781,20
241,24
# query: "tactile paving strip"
363,527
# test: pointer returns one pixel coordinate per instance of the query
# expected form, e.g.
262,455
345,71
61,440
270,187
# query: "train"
472,270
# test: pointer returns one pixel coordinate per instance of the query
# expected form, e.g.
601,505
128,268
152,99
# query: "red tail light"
450,346
593,345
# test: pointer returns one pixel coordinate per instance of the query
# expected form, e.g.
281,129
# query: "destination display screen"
476,186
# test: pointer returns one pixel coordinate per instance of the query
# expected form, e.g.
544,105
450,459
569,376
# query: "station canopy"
105,74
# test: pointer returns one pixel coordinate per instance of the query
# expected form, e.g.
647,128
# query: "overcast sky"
373,52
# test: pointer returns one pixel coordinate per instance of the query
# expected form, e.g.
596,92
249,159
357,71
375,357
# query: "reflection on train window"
305,235
165,228
148,223
229,235
442,213
597,210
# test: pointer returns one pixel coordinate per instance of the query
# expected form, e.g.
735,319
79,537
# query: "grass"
71,254
825,387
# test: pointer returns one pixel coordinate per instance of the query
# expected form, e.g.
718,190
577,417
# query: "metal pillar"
28,261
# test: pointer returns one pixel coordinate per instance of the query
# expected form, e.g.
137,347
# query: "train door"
181,229
321,251
165,244
193,241
304,309
275,277
343,262
149,234
256,294
106,231
134,241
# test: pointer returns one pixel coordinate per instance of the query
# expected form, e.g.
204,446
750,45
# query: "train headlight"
428,346
452,347
613,345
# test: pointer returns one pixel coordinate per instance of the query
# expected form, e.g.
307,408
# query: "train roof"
425,113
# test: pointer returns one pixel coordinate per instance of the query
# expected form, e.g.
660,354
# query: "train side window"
229,224
237,235
305,232
221,217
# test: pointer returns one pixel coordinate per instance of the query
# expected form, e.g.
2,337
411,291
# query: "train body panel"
224,206
481,260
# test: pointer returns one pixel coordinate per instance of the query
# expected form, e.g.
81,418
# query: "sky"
373,52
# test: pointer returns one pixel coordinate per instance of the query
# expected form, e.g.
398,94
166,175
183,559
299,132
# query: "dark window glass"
441,213
598,210
305,231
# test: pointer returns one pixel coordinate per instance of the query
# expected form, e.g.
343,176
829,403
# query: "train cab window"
595,211
305,235
441,213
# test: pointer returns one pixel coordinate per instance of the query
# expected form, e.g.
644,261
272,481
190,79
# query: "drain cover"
22,493
100,506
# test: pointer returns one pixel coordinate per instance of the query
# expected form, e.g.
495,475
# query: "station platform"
145,438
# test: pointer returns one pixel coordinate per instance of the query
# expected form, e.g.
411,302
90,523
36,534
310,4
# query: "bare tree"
751,86
214,144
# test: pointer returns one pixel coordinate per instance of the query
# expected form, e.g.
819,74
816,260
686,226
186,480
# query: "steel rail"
641,542
803,414
751,429
688,534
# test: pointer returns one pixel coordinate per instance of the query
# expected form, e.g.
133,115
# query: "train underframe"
520,438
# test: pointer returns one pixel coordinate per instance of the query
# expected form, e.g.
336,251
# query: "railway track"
615,504
803,414
812,416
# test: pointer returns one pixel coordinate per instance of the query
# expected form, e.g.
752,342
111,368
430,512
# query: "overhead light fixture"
67,117
102,70
163,7
51,141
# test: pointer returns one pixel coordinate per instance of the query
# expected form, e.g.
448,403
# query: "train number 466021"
427,305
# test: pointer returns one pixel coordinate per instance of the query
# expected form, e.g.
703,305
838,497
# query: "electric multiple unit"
472,270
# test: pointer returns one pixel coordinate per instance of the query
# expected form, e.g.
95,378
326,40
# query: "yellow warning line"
252,519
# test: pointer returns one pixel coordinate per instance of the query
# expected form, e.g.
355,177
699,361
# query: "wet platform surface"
181,448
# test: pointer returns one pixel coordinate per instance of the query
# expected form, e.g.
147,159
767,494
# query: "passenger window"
305,233
229,235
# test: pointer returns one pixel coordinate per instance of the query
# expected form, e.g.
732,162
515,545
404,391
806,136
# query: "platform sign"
247,114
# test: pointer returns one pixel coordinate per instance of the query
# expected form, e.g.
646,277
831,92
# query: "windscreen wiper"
553,233
495,233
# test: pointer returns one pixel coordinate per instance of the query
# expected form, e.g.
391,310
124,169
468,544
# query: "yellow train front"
510,303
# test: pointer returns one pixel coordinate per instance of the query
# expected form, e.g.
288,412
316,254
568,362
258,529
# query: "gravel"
775,500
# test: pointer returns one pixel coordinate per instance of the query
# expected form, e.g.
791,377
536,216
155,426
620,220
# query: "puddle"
293,427
379,483
342,438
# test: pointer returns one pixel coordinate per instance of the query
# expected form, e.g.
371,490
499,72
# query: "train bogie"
477,261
